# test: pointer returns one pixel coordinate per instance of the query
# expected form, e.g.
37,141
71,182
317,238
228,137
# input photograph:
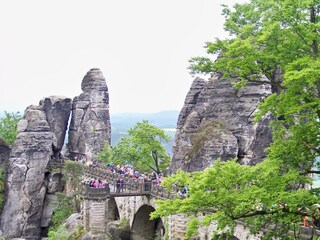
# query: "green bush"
62,209
8,127
60,233
78,233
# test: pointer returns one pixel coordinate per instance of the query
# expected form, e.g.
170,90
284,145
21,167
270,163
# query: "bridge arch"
113,211
143,228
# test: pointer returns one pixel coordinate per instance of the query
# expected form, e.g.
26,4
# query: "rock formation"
216,121
40,133
29,158
90,123
4,151
57,110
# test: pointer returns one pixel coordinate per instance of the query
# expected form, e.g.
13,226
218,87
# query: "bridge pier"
95,210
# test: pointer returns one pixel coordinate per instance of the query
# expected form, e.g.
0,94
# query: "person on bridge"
121,184
118,183
107,187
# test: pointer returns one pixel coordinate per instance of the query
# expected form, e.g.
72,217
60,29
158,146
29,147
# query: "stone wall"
95,214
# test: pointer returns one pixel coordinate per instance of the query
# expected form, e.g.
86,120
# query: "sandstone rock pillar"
26,189
41,132
216,121
90,123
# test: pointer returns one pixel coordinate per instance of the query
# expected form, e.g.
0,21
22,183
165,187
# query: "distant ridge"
163,119
122,122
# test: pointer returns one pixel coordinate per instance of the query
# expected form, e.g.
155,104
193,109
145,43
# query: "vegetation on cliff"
69,201
8,134
8,127
276,42
143,149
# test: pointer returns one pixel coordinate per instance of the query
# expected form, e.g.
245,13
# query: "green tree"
274,42
228,192
143,148
105,155
65,205
73,176
8,127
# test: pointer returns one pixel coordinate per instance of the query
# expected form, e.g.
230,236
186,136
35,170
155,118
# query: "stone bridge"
132,207
102,208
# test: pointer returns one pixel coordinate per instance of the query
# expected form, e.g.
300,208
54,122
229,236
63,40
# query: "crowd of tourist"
95,183
125,171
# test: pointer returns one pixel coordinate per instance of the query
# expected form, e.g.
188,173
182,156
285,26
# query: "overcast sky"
141,46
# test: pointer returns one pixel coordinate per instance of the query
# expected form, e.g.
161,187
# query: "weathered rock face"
57,110
26,190
30,186
216,121
90,123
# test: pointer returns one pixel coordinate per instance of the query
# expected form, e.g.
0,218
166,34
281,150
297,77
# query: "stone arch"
113,212
143,228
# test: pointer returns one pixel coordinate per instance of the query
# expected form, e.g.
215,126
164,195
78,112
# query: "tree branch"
312,171
308,145
258,213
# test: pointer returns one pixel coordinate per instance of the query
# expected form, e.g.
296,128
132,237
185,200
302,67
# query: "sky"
142,47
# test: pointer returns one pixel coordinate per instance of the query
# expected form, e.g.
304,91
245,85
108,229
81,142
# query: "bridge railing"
129,186
95,192
114,189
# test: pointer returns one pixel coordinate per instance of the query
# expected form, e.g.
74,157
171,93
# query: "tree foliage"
274,42
228,192
61,233
143,148
72,175
69,203
63,207
8,127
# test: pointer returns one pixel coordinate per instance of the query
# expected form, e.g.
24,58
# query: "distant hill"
165,119
122,122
